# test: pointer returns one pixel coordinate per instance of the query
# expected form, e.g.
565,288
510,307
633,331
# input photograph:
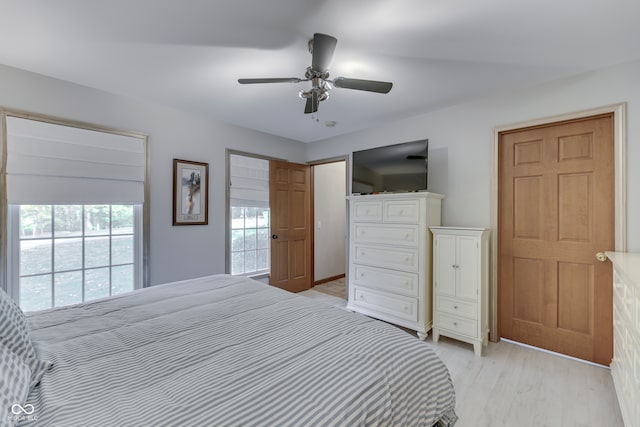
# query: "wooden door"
290,202
556,211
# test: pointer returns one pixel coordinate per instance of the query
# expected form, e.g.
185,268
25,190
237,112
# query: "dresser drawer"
457,307
457,324
401,211
403,259
407,235
366,210
633,294
392,281
395,305
629,303
635,355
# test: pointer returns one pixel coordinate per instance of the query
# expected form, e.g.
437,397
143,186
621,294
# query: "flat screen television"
392,168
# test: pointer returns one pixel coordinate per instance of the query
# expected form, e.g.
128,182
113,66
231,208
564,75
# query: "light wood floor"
511,385
337,288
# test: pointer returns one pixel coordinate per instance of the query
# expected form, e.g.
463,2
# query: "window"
249,240
67,254
249,213
75,199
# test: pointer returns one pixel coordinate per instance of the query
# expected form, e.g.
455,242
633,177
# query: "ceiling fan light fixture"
321,48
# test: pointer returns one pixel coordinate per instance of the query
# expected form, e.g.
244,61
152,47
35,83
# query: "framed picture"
190,192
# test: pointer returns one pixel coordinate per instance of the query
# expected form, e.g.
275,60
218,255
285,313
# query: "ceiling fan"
321,47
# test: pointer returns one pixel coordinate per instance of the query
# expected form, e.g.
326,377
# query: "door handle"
274,236
601,256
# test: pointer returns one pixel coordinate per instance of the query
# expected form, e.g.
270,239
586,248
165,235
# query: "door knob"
601,256
274,236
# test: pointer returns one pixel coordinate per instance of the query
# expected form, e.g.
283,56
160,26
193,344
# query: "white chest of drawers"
625,367
390,257
461,283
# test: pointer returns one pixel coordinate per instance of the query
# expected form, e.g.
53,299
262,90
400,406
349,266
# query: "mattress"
229,351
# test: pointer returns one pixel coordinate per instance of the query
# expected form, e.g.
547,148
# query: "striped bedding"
228,351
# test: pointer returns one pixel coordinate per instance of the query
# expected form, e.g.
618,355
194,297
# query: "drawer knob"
455,323
455,307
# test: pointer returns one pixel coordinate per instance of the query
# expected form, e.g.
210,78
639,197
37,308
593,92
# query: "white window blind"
52,164
249,178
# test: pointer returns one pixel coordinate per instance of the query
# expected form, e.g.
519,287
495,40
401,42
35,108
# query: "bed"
229,351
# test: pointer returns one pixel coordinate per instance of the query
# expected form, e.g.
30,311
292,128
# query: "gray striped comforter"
225,351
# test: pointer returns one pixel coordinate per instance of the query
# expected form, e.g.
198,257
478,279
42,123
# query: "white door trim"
620,175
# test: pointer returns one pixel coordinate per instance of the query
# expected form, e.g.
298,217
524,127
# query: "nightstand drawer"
457,324
394,305
457,307
366,210
401,211
391,281
403,259
406,235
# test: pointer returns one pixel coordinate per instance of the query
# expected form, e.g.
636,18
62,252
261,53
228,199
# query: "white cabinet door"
467,267
445,260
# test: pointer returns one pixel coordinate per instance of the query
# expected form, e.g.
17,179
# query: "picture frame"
190,192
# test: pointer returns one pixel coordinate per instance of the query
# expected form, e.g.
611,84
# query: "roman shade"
55,164
249,186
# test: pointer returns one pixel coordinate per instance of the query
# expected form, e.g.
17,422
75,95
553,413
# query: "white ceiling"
188,54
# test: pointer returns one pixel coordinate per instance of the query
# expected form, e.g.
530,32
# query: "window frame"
13,250
254,273
6,281
228,231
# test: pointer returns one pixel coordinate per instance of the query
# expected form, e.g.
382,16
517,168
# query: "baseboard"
328,279
543,350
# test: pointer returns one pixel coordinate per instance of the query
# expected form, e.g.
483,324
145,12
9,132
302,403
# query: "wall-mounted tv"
393,168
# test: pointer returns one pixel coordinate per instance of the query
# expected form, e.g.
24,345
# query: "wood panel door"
556,211
290,202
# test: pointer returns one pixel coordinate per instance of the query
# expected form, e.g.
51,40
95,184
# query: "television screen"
393,168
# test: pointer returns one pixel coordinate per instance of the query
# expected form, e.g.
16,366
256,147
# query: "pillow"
15,377
14,335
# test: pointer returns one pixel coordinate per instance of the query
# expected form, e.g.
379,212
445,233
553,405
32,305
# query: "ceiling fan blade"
312,103
358,84
268,80
323,47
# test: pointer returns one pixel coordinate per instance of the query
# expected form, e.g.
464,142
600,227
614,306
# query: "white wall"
330,219
176,252
460,136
